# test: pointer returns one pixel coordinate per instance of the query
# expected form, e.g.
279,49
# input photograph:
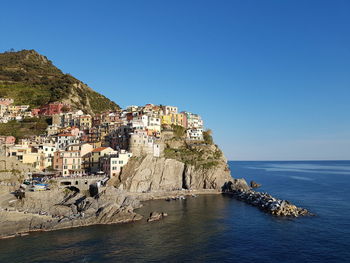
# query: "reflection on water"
303,168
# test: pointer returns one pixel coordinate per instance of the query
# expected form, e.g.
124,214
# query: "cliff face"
148,173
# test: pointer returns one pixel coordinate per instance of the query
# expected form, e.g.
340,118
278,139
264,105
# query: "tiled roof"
99,149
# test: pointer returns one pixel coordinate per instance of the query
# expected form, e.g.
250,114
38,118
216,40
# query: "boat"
39,187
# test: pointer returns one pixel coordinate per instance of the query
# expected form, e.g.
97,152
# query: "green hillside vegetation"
26,128
31,79
201,154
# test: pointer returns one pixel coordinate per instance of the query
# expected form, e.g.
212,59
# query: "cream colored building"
112,164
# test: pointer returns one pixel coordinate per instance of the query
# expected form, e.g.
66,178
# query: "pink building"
52,108
7,140
6,101
35,112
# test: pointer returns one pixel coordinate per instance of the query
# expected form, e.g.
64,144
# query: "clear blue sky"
270,78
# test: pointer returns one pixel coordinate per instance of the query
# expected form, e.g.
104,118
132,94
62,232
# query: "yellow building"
33,159
85,122
166,120
12,109
173,119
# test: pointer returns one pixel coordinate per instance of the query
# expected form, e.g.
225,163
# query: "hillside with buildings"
81,169
66,163
69,142
32,81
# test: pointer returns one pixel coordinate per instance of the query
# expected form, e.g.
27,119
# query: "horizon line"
321,160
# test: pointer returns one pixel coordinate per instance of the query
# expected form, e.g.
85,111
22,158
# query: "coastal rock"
206,178
148,174
254,184
155,216
151,174
57,209
266,202
235,185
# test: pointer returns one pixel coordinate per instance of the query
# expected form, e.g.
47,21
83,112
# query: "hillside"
30,78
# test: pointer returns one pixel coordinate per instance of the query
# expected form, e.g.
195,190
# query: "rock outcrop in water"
254,184
240,190
57,209
156,216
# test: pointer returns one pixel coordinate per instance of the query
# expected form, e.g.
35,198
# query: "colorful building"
53,108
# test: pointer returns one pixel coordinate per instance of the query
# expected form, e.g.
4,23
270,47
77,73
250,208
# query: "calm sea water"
217,228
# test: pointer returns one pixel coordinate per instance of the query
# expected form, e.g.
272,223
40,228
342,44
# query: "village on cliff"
76,144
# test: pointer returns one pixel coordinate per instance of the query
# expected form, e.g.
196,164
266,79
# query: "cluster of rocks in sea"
240,190
270,204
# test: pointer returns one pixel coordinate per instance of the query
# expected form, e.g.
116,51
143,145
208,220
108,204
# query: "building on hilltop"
169,109
193,120
140,143
195,134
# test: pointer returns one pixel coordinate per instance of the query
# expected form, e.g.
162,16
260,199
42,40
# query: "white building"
48,152
65,139
154,124
112,164
195,134
194,121
169,109
139,122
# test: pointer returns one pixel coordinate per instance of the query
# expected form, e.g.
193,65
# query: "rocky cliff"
183,165
58,209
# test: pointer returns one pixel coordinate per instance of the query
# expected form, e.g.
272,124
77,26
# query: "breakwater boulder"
254,184
235,185
264,201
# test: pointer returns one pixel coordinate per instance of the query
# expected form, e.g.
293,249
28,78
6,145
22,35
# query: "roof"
99,149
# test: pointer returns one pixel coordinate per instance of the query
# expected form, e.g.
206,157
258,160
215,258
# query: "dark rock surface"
267,203
254,184
155,216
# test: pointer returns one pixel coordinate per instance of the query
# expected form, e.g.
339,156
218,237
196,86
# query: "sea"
217,228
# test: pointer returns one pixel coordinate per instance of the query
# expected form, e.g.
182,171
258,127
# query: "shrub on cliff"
179,131
207,136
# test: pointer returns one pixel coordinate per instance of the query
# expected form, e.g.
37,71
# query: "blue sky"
270,78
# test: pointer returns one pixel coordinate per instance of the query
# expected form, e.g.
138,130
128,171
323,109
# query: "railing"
80,177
